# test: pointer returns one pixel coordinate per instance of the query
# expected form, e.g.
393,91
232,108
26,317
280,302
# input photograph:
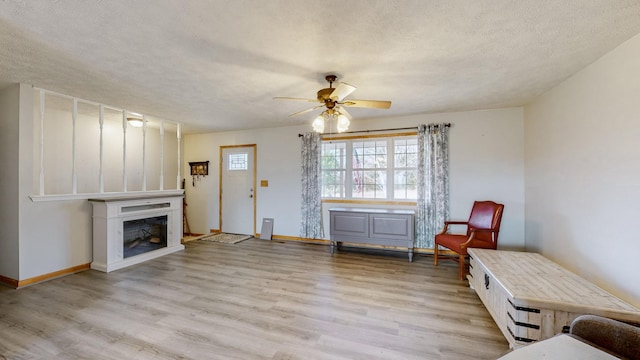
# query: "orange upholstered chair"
482,232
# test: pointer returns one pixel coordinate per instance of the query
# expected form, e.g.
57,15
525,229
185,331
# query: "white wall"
9,115
39,238
582,169
53,235
278,161
486,162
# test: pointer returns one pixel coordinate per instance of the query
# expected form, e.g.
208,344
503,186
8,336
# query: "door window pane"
238,162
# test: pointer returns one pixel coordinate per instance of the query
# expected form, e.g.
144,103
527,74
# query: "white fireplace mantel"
109,217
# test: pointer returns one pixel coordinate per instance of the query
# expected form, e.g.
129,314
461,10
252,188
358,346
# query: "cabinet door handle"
486,281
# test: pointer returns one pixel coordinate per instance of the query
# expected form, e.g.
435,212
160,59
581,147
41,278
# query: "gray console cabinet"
372,226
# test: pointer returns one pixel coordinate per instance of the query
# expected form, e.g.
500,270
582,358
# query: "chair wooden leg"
461,260
435,255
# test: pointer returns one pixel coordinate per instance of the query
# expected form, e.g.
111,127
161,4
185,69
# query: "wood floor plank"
253,300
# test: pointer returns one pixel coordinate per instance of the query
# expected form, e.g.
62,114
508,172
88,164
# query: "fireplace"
144,235
128,231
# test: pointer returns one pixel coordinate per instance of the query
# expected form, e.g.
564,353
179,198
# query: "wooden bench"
532,298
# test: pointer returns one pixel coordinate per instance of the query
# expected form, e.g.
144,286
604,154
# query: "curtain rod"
376,130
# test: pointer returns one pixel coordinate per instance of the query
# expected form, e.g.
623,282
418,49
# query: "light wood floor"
253,300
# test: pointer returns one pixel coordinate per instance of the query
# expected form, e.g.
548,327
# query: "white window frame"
390,167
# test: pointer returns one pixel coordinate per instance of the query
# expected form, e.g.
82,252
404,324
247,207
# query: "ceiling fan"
333,99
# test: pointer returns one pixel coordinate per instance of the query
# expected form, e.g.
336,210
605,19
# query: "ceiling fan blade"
342,91
296,99
376,104
344,112
306,110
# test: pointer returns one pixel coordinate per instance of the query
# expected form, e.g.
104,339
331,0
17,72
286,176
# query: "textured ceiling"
216,65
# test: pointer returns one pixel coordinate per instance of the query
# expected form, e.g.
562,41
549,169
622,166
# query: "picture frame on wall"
199,168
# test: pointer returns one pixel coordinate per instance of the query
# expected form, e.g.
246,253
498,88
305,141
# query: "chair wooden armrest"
451,222
466,243
473,234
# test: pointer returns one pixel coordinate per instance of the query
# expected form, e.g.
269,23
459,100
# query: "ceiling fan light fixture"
343,123
318,124
332,116
135,122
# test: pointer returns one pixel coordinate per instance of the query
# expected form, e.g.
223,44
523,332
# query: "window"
370,168
238,162
405,172
334,166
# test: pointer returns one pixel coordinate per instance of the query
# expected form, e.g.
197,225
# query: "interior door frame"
255,190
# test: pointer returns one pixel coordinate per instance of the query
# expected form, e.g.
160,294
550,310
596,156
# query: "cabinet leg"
332,246
410,254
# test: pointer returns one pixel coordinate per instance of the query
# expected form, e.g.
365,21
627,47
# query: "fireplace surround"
131,230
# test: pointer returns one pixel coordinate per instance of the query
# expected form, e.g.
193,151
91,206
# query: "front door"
237,189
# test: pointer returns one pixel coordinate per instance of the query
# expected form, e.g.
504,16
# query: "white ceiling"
216,65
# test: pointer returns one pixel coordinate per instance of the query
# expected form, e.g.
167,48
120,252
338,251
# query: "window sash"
369,171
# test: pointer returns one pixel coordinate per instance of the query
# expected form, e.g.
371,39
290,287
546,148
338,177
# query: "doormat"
225,238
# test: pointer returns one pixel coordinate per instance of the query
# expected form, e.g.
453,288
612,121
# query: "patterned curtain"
311,224
433,182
